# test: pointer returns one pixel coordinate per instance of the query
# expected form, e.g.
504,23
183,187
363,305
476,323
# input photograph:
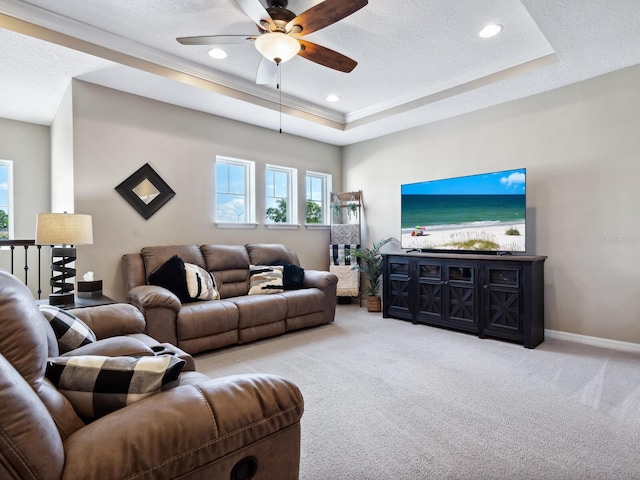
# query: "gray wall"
28,146
581,147
116,133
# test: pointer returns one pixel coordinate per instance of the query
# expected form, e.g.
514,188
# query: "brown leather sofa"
237,317
241,427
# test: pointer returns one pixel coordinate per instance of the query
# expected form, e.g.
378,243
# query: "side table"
81,302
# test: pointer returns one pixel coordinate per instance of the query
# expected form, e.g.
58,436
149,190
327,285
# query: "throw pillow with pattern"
97,385
70,331
265,279
200,283
172,276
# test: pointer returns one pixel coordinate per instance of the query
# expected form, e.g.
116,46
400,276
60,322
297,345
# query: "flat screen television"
478,213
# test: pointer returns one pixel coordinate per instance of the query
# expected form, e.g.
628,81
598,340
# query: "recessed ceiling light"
490,30
333,98
218,53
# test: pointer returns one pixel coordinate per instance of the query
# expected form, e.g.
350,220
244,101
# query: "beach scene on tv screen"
479,212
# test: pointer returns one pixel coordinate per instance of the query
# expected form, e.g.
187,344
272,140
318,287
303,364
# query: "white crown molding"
454,87
85,38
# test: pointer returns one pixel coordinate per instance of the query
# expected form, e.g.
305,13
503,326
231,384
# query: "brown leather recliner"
238,427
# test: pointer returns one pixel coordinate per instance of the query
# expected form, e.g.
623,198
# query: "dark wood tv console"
489,295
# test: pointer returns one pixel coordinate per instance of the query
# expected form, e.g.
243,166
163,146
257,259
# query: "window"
6,199
317,198
235,184
280,196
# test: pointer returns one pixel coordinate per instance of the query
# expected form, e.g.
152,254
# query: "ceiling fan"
280,32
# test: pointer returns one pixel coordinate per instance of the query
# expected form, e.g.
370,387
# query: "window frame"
292,194
327,186
249,220
8,165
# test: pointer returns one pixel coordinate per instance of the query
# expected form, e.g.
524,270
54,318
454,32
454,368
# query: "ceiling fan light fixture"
277,46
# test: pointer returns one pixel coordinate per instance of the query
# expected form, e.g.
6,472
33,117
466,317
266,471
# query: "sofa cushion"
269,254
70,331
257,310
98,385
154,257
261,316
304,301
204,319
229,265
200,283
265,279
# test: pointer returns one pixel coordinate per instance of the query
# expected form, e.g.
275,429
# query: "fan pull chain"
280,92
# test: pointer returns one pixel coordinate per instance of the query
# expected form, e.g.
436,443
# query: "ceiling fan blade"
256,12
325,56
215,39
324,14
266,71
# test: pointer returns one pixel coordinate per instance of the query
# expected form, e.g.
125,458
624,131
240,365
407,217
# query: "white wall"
116,133
62,182
581,147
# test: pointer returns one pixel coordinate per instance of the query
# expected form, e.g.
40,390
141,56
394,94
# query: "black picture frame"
146,172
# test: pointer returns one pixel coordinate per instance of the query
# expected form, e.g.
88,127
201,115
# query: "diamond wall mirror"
145,191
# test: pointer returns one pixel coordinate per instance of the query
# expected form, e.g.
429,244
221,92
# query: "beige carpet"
385,399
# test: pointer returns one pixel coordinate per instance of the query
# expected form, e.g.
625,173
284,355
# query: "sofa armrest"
111,320
319,279
113,347
152,296
160,308
328,283
201,428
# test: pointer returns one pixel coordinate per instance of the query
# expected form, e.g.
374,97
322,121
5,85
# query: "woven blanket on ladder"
342,266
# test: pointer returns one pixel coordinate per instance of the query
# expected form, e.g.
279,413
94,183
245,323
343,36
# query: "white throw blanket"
348,280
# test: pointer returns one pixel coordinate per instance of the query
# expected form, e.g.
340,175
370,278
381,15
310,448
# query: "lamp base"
61,258
61,298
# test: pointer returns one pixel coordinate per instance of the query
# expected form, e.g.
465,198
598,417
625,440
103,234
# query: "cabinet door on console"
503,306
461,310
398,286
430,282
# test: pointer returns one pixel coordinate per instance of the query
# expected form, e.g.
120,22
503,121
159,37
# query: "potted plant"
370,265
352,211
336,208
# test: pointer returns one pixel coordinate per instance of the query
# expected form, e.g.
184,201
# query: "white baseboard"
594,341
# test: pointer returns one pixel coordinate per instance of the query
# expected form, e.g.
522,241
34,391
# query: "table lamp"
67,230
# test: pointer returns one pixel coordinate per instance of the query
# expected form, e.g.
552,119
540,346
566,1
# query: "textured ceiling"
418,60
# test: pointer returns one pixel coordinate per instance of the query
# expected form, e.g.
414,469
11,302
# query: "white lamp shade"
277,47
64,229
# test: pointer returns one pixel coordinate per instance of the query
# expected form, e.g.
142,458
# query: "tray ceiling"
418,61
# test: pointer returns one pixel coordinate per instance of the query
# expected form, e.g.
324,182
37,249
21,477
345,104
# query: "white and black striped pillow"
200,283
97,385
70,331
